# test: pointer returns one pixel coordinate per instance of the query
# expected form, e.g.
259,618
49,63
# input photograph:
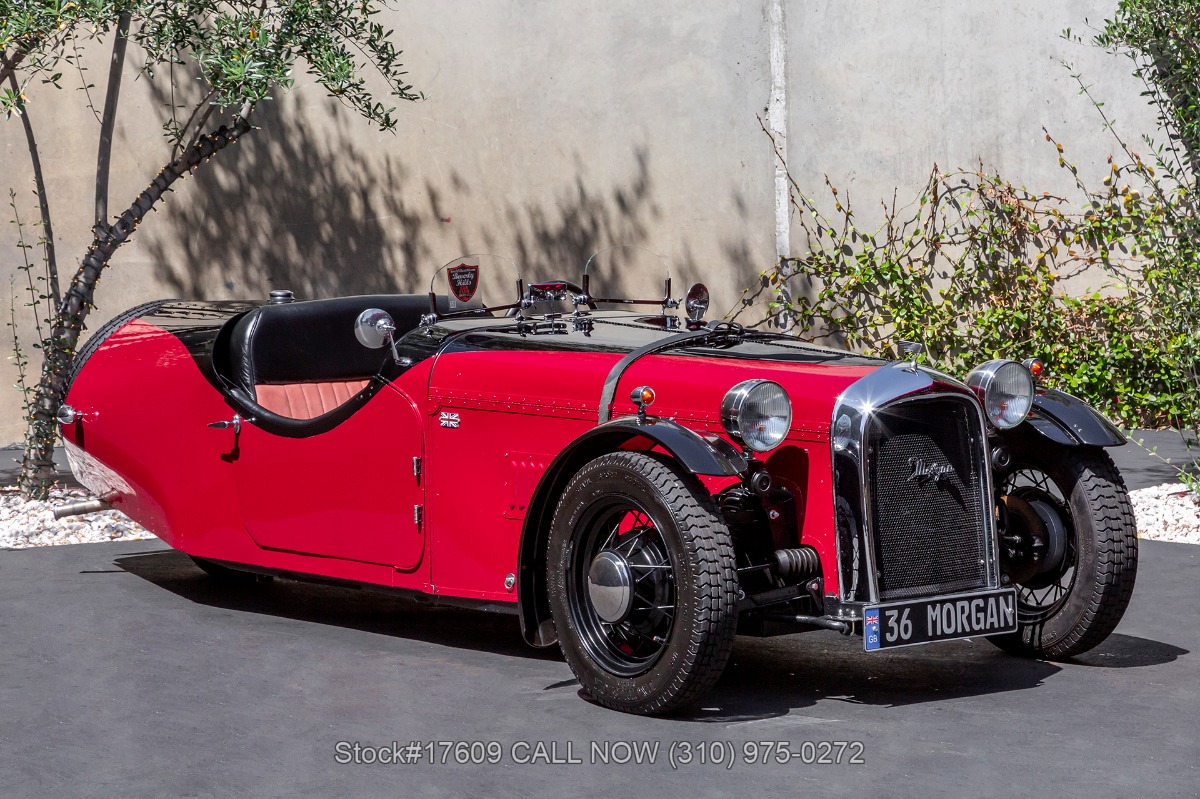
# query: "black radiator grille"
925,474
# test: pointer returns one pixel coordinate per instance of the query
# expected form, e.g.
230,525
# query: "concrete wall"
554,130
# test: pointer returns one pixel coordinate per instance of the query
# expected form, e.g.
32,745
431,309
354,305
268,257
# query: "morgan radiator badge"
923,472
464,281
448,419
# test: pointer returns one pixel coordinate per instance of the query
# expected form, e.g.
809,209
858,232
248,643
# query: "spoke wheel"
643,585
1047,549
1069,545
622,587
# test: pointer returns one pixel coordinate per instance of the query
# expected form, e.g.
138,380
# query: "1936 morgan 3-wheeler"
636,485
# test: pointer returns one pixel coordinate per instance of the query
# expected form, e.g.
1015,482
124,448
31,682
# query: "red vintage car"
632,483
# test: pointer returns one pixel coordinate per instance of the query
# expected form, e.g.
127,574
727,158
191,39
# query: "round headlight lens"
1006,389
757,413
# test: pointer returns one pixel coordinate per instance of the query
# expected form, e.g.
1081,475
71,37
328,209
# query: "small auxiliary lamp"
1035,367
642,397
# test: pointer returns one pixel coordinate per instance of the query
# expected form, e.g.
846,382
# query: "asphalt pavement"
1154,457
125,671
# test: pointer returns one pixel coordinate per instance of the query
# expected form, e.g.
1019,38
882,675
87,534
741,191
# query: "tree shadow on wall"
557,240
291,208
316,212
736,256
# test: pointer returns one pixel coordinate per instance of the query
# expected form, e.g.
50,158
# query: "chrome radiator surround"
853,415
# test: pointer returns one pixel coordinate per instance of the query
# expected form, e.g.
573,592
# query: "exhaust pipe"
817,621
80,508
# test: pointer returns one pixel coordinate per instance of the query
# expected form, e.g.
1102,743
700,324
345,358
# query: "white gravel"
32,524
1168,512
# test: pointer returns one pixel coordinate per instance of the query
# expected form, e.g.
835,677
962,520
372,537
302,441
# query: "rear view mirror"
374,328
696,303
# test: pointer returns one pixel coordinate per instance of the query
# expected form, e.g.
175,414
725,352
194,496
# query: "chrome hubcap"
610,587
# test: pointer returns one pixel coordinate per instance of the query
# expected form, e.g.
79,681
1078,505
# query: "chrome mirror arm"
387,329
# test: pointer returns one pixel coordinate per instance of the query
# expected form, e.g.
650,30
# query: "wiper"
717,334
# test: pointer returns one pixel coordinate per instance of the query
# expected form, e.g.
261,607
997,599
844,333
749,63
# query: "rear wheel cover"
643,586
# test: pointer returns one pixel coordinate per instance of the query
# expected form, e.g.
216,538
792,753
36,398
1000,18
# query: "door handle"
235,423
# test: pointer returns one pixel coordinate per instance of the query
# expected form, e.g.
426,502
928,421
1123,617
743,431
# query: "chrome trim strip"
896,383
851,416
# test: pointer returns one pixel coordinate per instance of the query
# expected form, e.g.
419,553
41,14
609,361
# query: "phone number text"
678,754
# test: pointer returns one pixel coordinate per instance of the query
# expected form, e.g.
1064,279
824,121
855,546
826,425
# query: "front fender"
1070,421
698,454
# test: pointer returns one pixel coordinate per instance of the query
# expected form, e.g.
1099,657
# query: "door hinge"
417,515
416,467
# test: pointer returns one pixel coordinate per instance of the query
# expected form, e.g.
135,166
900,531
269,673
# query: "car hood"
564,374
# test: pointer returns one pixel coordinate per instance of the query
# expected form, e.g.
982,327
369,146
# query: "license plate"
923,621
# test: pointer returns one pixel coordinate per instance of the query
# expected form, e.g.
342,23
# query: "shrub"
975,269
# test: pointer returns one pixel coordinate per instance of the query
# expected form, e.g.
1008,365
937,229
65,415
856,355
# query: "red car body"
501,462
340,504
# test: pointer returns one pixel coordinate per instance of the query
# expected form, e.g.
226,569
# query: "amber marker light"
1035,367
642,396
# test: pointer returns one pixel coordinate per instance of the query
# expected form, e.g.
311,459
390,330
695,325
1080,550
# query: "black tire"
1100,564
224,574
669,531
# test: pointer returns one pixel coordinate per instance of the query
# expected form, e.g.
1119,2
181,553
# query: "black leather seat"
314,341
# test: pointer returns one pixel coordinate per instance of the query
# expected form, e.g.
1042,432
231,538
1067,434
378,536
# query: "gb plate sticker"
871,629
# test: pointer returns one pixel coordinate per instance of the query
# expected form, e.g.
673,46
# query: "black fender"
1070,421
698,454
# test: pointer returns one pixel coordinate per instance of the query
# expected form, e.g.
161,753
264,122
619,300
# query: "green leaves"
36,37
975,268
243,49
10,101
1162,37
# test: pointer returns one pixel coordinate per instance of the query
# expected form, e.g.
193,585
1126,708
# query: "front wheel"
1068,542
642,583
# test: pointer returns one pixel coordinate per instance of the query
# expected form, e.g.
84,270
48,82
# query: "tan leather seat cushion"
307,400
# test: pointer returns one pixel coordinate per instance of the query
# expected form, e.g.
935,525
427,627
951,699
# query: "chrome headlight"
757,413
1006,390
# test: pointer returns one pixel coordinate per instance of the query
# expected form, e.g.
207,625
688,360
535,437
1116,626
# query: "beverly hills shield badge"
464,281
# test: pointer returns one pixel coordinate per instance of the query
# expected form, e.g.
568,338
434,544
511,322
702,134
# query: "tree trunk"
37,468
103,154
43,200
9,63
